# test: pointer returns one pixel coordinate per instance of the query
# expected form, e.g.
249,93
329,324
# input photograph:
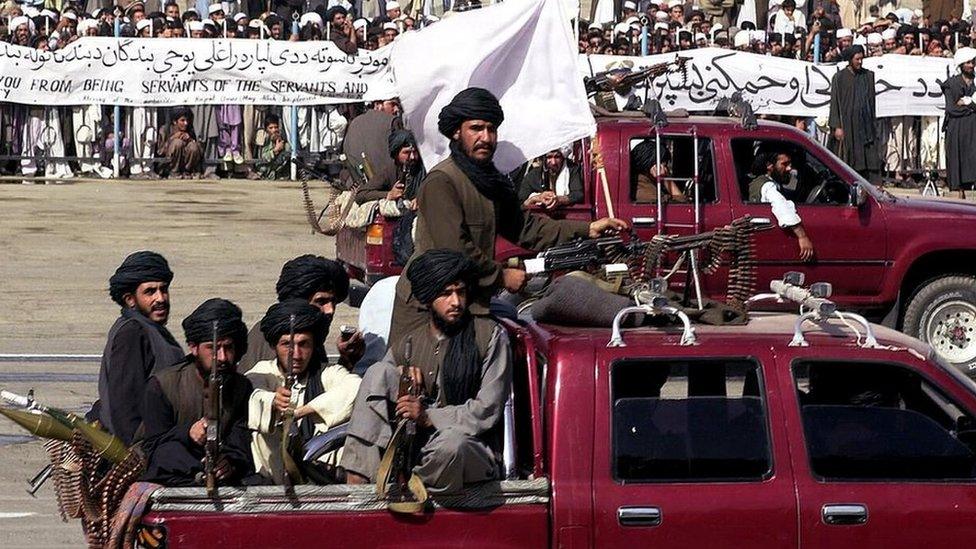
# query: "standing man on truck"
463,365
138,346
465,202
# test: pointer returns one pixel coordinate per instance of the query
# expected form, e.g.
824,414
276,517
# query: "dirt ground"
59,244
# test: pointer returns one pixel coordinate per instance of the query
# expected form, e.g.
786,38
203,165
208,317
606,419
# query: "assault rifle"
211,405
292,472
622,80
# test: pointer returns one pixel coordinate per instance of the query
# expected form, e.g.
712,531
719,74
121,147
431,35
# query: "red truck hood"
926,207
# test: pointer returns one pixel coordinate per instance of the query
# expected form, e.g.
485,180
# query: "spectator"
180,149
552,182
274,159
853,114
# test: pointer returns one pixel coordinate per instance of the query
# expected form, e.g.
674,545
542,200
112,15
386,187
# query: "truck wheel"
943,314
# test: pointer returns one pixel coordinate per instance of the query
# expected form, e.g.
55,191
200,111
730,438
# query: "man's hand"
513,280
838,134
548,199
395,193
223,469
806,248
351,350
282,400
279,146
606,226
410,407
198,431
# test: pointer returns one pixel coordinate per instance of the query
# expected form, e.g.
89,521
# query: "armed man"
463,365
465,202
138,346
296,395
321,282
195,414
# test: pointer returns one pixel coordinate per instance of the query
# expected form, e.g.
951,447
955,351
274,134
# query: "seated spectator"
274,156
181,148
552,183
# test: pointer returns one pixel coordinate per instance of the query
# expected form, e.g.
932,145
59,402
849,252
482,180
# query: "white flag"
520,50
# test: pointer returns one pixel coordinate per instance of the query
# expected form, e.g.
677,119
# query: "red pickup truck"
743,439
910,263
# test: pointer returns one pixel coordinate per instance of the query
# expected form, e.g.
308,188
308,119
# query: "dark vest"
183,388
165,350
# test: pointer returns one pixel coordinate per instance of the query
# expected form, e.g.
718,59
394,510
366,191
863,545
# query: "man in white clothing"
775,169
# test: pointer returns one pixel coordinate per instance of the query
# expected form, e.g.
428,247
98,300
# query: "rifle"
398,459
211,405
292,473
621,80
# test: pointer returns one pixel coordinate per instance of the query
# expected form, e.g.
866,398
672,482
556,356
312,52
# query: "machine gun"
292,471
211,405
410,495
621,80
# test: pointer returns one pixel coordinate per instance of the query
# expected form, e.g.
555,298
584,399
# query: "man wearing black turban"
138,345
854,136
321,282
323,394
176,407
465,202
462,364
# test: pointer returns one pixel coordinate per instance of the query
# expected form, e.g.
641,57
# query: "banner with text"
163,72
904,85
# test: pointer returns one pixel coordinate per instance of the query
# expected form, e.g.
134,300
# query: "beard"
450,328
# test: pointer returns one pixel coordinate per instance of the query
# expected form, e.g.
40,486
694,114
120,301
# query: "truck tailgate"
498,514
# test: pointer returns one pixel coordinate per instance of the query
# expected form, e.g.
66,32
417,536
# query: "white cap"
717,27
209,23
238,16
632,19
390,6
628,5
860,41
741,39
675,3
48,13
310,17
875,38
380,91
661,16
844,33
21,20
390,25
595,26
758,36
963,55
85,24
904,15
359,23
70,15
195,26
917,13
661,25
143,24
700,36
889,34
214,8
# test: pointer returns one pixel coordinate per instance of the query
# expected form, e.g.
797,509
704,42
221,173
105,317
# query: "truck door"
849,241
884,453
644,166
690,452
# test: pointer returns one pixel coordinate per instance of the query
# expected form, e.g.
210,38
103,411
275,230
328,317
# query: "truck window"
881,421
675,170
811,182
689,420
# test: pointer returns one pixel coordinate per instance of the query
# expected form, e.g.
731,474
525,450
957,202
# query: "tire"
942,313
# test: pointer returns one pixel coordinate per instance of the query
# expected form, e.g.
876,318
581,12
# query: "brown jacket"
452,214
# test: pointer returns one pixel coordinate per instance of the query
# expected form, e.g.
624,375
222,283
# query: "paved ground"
58,246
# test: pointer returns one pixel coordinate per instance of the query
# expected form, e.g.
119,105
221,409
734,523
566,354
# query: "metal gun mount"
814,306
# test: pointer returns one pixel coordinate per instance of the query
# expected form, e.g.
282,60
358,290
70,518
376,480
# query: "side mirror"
859,196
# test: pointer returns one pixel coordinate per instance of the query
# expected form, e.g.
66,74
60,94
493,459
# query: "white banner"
523,51
905,85
182,71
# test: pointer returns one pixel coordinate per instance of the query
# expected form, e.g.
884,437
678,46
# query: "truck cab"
782,433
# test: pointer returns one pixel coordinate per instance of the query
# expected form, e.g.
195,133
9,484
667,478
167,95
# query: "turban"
198,327
308,319
139,267
303,276
329,15
644,156
433,270
469,104
963,55
399,139
850,52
